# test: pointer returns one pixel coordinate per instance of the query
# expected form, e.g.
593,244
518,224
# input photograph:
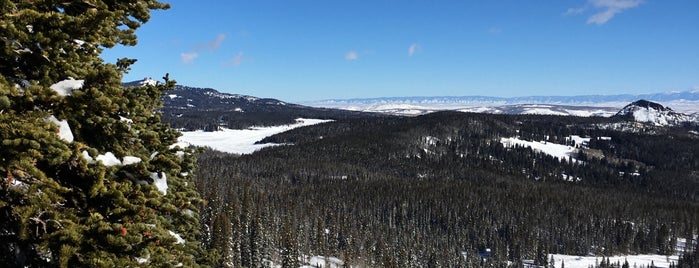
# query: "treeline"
441,191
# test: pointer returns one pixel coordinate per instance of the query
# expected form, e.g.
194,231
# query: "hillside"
192,108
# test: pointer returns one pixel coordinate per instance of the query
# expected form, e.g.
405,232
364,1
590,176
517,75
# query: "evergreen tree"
540,258
290,256
89,175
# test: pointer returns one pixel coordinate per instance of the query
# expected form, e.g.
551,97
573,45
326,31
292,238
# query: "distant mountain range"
603,105
192,108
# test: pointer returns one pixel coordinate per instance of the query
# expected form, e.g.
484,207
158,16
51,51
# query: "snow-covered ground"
571,261
556,150
241,141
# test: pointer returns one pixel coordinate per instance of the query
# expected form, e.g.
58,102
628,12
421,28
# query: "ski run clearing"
241,141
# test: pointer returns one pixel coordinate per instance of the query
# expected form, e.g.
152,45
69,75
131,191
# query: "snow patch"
189,212
579,140
108,159
87,157
124,119
556,150
179,238
180,144
571,261
326,262
160,182
542,111
66,87
64,131
143,260
130,160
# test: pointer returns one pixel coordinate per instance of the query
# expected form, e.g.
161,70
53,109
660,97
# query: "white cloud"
188,57
351,55
412,49
605,10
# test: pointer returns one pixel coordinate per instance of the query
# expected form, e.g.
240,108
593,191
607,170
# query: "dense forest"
441,190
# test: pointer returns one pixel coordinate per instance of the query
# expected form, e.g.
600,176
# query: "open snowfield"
241,141
634,260
556,150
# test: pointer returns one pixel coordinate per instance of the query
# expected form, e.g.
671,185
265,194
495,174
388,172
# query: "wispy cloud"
494,30
237,59
351,55
575,11
217,42
605,10
413,49
188,57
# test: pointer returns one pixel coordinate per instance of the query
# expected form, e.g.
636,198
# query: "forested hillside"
443,190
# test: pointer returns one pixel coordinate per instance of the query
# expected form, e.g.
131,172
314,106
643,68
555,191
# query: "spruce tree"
89,174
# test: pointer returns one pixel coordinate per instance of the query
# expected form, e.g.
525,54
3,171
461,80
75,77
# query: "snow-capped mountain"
687,102
654,113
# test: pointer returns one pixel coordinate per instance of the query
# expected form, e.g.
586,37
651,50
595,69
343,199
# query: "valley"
442,188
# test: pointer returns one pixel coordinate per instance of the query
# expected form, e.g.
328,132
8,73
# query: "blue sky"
311,49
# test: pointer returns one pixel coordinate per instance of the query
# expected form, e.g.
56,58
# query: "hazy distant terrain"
584,105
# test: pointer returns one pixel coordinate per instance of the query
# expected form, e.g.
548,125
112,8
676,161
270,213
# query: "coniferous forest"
440,190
